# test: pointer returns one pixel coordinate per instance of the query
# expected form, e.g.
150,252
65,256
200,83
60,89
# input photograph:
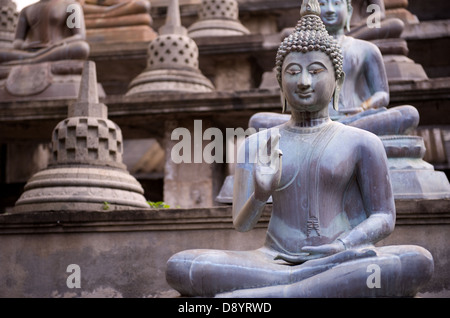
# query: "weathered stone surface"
411,176
110,245
41,81
85,171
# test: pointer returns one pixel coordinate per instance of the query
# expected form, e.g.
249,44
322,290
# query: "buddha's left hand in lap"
312,252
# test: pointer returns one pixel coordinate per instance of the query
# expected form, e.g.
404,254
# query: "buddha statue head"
338,16
310,35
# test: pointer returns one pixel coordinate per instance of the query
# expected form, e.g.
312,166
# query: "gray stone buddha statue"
47,55
332,197
357,26
118,21
42,34
364,96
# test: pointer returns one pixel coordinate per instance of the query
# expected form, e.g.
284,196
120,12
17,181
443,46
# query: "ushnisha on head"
310,34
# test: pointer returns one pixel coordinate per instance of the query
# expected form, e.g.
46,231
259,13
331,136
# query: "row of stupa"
173,57
86,171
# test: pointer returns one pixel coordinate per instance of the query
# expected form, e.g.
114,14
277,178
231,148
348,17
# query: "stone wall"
123,254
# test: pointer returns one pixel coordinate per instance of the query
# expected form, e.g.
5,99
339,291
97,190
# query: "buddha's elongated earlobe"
349,18
337,91
283,102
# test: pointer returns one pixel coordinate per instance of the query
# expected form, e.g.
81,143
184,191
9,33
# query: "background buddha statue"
332,197
42,34
382,22
358,28
364,103
110,21
49,49
364,97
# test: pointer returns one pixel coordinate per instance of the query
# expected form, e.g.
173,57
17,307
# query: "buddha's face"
334,14
308,80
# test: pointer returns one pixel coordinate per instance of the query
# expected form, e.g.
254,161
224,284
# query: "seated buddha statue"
357,26
42,34
364,96
118,20
332,198
105,9
48,53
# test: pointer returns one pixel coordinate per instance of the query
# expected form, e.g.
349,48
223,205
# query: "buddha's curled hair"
310,34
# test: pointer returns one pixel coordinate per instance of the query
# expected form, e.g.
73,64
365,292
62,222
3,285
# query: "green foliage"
105,206
158,205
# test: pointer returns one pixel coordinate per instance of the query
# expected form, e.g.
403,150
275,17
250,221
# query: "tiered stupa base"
214,28
81,188
169,81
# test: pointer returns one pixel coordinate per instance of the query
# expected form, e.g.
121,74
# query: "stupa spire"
88,103
173,20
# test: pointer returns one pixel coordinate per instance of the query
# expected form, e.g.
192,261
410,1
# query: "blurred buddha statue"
48,53
364,103
118,20
43,34
364,97
362,10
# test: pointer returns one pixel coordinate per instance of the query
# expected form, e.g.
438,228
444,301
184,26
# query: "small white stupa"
172,64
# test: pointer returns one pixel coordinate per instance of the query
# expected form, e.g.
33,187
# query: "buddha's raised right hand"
267,172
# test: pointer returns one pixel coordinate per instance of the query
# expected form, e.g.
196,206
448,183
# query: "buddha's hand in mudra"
267,173
312,252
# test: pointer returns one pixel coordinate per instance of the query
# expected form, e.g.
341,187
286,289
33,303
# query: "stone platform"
123,253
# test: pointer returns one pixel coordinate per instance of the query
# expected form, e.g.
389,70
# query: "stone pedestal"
121,34
48,80
124,253
411,176
85,170
400,68
41,81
